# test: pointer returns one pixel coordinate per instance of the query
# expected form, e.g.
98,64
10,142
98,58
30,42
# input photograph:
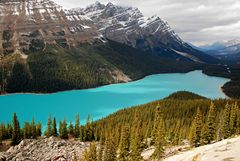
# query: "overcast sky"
196,21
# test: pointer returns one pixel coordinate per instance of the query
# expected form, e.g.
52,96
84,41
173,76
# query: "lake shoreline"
133,80
102,101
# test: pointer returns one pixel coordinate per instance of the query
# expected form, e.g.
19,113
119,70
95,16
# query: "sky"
199,22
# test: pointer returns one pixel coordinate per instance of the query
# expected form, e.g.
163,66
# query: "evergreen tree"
226,131
155,123
210,129
177,134
9,131
238,120
48,131
27,132
135,143
88,131
85,155
76,127
63,132
124,144
33,129
38,129
195,133
160,137
92,152
71,129
54,128
233,118
100,150
1,134
109,153
16,133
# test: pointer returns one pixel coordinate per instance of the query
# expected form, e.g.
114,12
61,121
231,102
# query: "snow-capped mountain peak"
129,26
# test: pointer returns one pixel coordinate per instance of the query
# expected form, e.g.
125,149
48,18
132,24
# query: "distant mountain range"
229,50
45,48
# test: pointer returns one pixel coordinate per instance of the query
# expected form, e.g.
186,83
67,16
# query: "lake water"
99,102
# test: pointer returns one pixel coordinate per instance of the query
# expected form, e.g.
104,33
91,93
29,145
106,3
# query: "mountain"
127,25
45,48
223,48
30,25
229,50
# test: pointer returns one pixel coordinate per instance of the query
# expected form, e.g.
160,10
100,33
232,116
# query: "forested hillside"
163,123
88,65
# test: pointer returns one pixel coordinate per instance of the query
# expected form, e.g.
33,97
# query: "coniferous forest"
123,135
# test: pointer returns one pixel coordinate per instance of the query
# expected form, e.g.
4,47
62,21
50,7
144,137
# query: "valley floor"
226,150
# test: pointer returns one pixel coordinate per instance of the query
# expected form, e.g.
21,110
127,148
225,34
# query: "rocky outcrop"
31,24
45,149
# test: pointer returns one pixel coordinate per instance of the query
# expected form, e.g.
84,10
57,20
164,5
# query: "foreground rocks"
225,150
45,149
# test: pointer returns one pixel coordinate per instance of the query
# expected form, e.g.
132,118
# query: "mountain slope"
128,25
86,66
45,48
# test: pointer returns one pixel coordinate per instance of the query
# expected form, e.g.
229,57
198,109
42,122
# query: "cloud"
198,22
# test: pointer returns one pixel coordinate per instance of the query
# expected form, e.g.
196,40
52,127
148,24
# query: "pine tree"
71,129
210,129
1,133
155,123
88,131
33,129
9,131
48,131
135,143
177,134
100,150
226,131
54,128
85,155
233,118
38,129
92,152
63,133
195,133
160,140
124,144
238,120
109,153
76,127
27,132
16,134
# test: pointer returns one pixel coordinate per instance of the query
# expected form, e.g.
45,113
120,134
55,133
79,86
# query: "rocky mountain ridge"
31,24
129,26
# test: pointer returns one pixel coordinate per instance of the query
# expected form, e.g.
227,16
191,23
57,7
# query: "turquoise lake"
99,102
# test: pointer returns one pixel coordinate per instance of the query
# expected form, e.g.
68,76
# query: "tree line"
16,133
124,134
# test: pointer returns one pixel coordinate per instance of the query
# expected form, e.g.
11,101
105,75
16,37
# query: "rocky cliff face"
48,149
31,24
128,25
